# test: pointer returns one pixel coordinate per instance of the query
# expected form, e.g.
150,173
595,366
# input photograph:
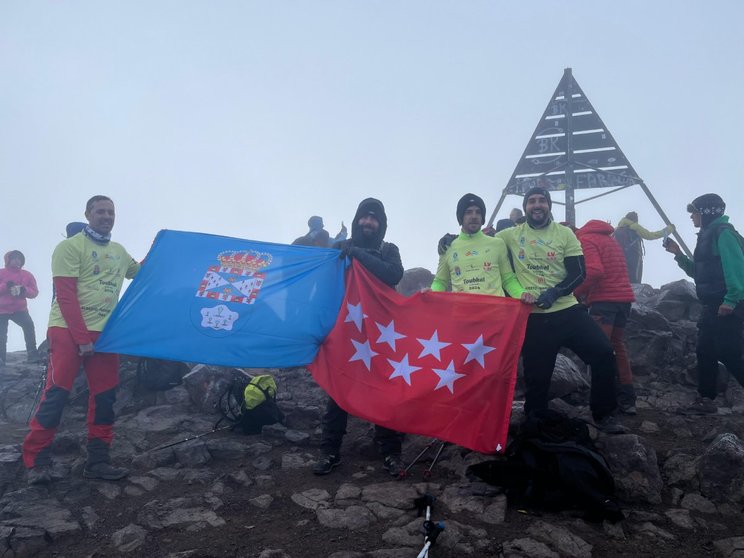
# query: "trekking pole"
427,473
404,472
171,444
39,391
431,530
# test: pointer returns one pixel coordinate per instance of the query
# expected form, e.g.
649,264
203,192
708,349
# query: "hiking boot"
609,425
326,464
39,475
701,406
393,464
627,408
104,471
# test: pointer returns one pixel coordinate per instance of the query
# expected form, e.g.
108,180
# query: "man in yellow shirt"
549,264
474,262
88,270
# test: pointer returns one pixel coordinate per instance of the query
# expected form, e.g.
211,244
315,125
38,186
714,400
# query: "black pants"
334,427
574,329
23,319
719,339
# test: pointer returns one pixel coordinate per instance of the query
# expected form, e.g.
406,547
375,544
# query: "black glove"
346,247
22,294
444,243
547,298
9,284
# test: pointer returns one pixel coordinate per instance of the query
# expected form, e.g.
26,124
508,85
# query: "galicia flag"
229,302
435,364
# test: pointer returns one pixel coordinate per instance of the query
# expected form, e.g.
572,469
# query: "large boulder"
634,465
414,280
721,470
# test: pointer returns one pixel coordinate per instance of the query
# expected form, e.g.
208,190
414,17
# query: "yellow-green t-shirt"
479,264
100,271
538,258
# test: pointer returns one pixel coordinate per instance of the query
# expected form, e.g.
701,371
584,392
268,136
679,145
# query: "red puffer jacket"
606,270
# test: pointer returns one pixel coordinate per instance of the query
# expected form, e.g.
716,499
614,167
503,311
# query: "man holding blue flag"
88,271
382,259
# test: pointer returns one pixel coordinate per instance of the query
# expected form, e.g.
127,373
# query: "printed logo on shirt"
551,256
487,266
458,271
521,254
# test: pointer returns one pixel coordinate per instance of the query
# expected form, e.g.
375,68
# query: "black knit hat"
709,206
536,190
466,201
374,207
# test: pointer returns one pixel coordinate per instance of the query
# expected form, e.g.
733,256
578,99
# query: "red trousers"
102,373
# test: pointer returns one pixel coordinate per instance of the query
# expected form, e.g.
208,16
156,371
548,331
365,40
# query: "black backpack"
249,404
160,375
553,465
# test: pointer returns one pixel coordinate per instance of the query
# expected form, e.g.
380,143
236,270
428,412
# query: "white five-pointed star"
432,346
447,377
355,315
388,334
403,369
477,350
363,352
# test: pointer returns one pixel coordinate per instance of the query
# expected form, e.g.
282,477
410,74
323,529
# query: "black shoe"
393,464
326,464
104,471
609,425
627,408
39,475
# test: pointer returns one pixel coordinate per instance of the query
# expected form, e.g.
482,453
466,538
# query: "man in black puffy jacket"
382,259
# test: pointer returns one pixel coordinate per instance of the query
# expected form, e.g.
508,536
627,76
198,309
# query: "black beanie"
466,201
709,206
537,190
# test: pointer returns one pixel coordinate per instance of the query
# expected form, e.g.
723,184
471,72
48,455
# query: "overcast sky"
245,118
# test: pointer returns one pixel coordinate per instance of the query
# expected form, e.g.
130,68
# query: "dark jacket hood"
369,206
596,227
15,253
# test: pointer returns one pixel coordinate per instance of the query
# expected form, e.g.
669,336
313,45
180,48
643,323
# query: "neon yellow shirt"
538,258
476,263
100,271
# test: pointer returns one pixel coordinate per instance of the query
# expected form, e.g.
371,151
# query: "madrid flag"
435,364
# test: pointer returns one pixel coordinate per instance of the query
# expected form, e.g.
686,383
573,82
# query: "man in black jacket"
382,259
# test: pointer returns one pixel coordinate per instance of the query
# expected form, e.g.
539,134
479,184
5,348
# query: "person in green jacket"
474,262
717,266
630,235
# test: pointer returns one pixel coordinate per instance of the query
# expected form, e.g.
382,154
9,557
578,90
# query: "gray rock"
698,503
263,501
297,460
312,499
721,470
228,449
567,378
634,466
273,553
681,518
179,512
458,499
650,530
90,517
384,512
352,518
681,470
495,512
392,494
348,492
562,540
297,437
263,463
129,538
732,547
146,483
192,454
527,548
414,280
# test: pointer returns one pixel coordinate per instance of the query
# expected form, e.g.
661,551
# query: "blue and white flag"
229,302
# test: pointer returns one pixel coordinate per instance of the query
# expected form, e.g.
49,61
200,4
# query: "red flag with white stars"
435,364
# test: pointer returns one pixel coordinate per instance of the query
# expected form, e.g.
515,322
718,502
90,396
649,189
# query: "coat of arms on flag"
237,278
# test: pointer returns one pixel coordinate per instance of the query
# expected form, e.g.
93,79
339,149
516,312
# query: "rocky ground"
680,479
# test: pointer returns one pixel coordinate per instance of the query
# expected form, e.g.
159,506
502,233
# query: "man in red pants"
88,270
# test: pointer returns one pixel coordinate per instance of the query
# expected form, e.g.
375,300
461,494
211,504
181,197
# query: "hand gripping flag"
230,302
435,364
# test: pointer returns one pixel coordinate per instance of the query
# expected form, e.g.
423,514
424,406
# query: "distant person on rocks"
88,270
318,236
382,259
607,292
474,262
630,235
717,266
516,216
16,286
